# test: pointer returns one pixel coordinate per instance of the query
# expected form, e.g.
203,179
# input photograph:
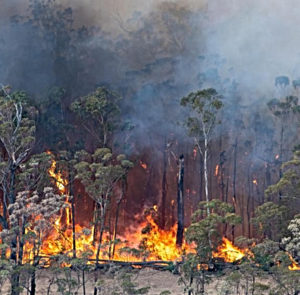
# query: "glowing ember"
143,165
294,265
255,181
229,252
217,170
195,153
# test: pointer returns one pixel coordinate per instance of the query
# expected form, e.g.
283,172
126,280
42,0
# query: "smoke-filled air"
149,147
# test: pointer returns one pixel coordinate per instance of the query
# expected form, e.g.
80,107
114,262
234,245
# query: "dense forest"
145,146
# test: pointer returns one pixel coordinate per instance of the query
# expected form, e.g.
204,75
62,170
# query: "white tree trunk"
206,172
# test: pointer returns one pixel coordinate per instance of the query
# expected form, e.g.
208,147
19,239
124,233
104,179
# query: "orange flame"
255,182
217,170
156,243
194,153
294,265
143,165
229,252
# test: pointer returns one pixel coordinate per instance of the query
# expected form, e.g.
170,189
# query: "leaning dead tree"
180,202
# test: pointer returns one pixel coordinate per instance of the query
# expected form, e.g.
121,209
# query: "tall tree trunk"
33,279
180,202
164,187
234,183
95,222
101,230
71,192
15,281
226,201
281,158
15,277
248,204
201,177
206,173
124,186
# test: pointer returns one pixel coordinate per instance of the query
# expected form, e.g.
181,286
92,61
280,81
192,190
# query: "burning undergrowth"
145,241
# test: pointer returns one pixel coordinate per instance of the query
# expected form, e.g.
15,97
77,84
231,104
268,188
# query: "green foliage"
292,241
287,282
265,253
204,105
204,232
100,172
33,173
99,112
125,284
66,283
283,108
288,190
52,121
271,220
17,127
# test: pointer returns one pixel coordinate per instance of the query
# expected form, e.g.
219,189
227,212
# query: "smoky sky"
258,39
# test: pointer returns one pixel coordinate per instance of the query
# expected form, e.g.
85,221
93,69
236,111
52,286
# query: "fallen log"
160,264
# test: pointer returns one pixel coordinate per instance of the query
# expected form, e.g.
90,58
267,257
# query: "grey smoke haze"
154,52
258,39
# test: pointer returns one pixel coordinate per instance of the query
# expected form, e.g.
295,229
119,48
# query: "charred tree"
119,201
234,182
164,187
180,202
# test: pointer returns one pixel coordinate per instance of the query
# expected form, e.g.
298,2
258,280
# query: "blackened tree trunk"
164,188
124,187
234,183
15,277
180,202
73,216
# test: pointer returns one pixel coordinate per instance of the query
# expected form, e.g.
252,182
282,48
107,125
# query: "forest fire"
294,265
229,252
148,241
176,153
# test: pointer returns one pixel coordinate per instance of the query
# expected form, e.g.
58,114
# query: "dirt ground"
158,281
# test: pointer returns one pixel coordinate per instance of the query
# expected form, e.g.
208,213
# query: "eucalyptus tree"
100,173
204,233
292,241
284,111
98,113
288,186
203,107
17,136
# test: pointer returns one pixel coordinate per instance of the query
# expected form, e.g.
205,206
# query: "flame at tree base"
229,252
148,241
154,244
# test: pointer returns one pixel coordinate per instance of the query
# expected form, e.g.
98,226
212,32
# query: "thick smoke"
153,53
